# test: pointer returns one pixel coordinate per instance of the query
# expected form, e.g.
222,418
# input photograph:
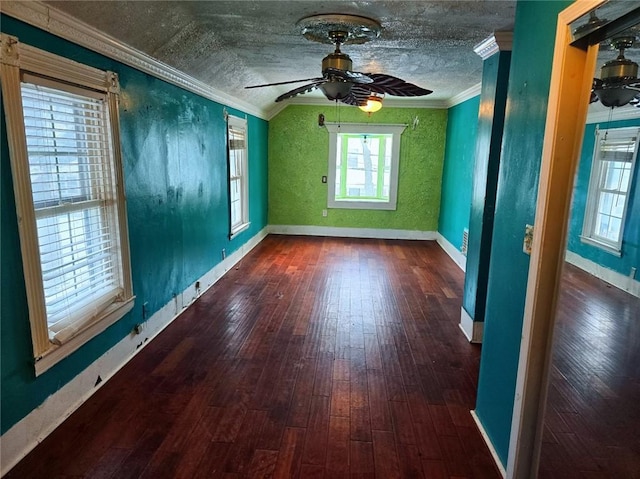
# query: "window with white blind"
614,158
363,165
238,175
64,146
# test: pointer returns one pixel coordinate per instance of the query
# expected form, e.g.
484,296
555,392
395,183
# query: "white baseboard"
473,330
351,232
625,283
18,441
489,444
456,256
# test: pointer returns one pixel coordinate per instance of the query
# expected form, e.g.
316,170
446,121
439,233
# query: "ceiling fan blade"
301,90
634,85
282,83
354,77
357,96
394,86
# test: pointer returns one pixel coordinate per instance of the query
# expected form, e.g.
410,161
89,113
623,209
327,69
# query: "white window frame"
17,60
334,130
589,235
234,122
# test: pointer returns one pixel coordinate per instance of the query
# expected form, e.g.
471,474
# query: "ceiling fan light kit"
374,103
338,81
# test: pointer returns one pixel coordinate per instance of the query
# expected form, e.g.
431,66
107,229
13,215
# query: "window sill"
603,246
57,353
361,205
239,230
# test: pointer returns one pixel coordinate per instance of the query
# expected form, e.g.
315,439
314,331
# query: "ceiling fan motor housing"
337,60
618,69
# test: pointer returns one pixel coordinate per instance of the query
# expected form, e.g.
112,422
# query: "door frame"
571,80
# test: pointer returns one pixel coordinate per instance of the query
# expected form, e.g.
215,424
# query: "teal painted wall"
457,173
533,42
495,78
174,155
298,158
630,257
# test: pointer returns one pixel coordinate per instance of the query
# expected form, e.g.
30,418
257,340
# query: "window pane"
361,171
625,179
237,131
606,203
70,170
612,176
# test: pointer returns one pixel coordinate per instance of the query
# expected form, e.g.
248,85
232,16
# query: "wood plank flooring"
593,412
335,358
313,358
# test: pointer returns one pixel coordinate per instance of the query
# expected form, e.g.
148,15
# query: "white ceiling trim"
500,41
600,114
465,95
60,24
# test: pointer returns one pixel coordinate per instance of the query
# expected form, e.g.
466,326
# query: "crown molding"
464,95
58,23
498,42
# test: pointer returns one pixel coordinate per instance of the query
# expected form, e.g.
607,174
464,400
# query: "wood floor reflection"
593,412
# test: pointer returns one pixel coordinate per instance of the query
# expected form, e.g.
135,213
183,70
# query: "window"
238,175
614,157
363,165
64,145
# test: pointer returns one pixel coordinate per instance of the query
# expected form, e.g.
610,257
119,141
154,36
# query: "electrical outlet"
632,274
324,213
145,310
224,253
324,178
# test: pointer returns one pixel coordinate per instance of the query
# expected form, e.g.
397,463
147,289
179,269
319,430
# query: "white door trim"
571,80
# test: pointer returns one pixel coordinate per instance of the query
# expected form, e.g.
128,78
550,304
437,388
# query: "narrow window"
612,168
70,199
238,175
363,166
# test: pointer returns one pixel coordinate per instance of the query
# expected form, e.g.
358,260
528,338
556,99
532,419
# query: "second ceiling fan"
338,81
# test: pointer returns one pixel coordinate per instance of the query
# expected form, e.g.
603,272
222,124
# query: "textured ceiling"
232,44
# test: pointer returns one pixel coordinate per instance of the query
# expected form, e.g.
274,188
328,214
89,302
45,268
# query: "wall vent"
465,241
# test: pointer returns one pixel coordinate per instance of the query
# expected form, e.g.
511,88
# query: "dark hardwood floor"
330,358
593,411
314,357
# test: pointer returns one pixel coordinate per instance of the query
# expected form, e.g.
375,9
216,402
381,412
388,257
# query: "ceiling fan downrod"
337,59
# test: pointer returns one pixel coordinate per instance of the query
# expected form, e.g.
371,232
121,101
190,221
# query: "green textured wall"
298,158
174,158
457,175
533,43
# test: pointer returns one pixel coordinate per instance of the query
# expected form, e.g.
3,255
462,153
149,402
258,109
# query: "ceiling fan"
338,81
618,83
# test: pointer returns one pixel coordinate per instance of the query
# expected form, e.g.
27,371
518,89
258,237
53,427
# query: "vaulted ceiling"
231,44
